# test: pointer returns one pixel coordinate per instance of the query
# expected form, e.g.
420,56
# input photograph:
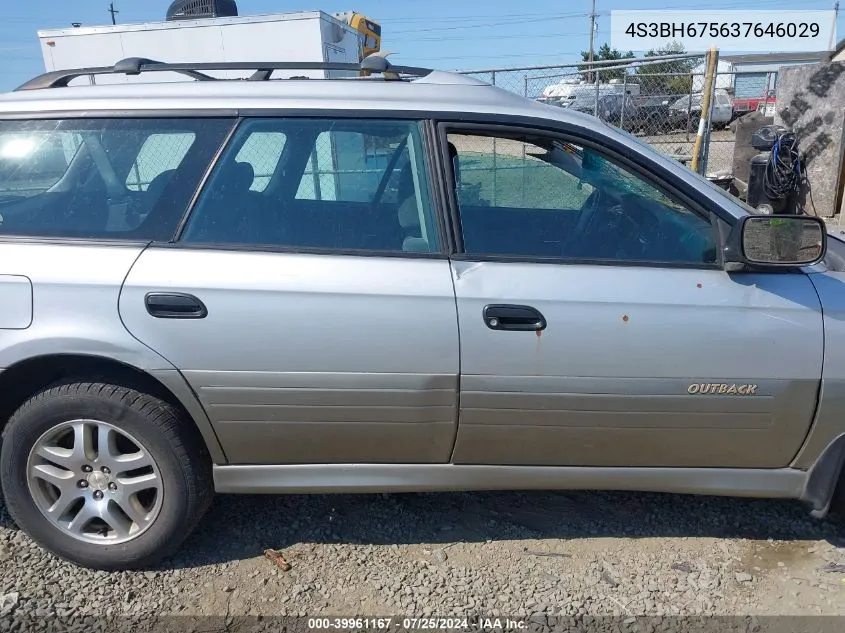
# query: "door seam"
460,367
162,356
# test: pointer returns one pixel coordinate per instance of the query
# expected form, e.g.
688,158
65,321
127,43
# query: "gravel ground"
720,156
507,554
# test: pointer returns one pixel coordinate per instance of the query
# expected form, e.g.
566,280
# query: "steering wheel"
592,207
617,223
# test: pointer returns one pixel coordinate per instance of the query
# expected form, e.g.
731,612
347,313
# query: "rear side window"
102,178
341,184
262,151
160,153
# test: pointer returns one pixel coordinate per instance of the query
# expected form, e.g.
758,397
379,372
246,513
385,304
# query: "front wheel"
103,475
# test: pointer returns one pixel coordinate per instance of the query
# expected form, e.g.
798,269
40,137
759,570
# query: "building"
756,73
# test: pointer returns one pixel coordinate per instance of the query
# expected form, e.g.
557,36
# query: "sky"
446,34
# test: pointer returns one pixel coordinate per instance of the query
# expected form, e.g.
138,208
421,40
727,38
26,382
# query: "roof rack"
263,70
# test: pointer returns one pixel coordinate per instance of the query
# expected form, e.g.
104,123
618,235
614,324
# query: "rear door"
80,198
598,328
307,300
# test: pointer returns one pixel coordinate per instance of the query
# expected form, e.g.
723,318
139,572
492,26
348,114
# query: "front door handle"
174,305
514,317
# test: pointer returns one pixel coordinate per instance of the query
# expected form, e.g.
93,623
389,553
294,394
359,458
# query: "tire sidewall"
54,407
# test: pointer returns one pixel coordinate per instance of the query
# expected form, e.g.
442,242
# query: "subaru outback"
408,280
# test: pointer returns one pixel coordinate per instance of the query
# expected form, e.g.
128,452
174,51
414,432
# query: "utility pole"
113,12
592,38
831,44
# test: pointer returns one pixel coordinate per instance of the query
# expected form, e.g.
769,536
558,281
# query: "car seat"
221,215
409,215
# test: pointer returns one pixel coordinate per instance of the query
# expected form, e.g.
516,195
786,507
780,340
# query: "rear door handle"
513,317
174,305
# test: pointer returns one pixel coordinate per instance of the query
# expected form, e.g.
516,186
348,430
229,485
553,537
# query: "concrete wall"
811,101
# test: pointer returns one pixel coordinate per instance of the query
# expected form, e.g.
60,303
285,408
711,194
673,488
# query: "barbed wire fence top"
656,98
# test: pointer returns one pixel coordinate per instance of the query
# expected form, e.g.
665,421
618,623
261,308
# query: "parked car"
685,113
744,105
213,286
635,113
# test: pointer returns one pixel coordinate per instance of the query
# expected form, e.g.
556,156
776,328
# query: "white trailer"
310,36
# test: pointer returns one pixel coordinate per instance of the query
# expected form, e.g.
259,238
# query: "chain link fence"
657,99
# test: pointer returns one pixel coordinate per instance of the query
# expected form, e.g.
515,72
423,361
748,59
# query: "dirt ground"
516,554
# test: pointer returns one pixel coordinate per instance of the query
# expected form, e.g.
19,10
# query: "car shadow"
241,527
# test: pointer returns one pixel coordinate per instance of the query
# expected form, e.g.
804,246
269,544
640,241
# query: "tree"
666,78
605,53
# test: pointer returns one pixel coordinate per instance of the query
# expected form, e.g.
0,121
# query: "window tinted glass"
501,172
159,153
262,151
336,184
102,178
543,198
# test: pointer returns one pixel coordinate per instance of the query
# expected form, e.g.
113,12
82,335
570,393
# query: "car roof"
436,92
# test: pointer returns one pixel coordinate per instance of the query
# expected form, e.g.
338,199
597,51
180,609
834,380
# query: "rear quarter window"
116,178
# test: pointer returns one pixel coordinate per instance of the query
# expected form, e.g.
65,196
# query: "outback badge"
722,388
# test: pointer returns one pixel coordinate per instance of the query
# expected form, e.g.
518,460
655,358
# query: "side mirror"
777,241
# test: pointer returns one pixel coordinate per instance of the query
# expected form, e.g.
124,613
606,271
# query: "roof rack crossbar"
263,70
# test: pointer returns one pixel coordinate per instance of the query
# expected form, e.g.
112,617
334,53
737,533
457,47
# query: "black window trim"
444,127
209,169
436,195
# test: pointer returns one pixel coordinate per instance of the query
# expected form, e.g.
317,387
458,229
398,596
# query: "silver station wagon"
401,280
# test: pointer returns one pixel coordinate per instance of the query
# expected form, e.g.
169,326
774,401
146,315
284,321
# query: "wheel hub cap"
99,481
95,482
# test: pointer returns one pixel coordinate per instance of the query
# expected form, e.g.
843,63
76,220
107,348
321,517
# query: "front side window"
341,184
543,198
102,178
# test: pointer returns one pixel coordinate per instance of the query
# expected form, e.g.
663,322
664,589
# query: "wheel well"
23,380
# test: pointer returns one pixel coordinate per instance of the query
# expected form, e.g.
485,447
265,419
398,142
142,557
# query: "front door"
306,300
598,328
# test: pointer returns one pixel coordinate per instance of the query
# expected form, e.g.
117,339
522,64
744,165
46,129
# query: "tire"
170,508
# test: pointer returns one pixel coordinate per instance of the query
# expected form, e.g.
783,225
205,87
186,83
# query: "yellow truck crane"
369,29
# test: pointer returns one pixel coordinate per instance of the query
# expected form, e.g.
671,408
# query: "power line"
729,5
541,16
547,18
508,36
461,18
509,55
